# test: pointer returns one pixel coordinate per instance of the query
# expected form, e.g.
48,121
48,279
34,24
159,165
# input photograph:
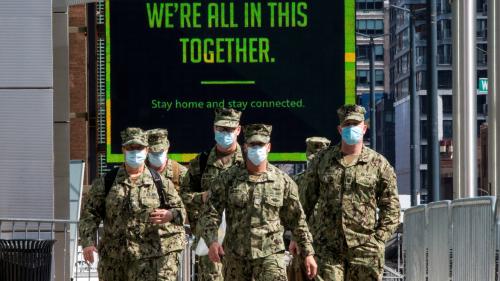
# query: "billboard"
170,63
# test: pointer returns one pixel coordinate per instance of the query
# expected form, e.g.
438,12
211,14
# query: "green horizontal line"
232,82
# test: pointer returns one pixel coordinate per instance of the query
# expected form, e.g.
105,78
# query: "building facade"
399,72
372,20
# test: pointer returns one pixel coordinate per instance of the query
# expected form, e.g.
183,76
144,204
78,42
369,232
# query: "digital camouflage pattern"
134,136
270,268
193,185
163,268
341,201
258,133
365,263
257,210
196,181
158,140
175,172
227,117
351,112
315,145
127,234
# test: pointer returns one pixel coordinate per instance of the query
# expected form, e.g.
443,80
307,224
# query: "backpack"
196,179
110,177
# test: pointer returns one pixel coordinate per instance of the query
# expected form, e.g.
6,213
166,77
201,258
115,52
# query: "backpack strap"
203,160
109,179
159,187
196,179
176,173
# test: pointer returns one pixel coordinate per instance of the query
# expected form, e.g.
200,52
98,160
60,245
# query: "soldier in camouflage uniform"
352,204
313,146
158,157
206,166
259,201
140,240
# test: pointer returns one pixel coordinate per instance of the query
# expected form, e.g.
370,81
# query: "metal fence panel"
472,239
437,237
415,220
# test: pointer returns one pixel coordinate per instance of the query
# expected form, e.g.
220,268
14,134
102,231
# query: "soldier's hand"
311,267
88,254
292,248
215,252
160,216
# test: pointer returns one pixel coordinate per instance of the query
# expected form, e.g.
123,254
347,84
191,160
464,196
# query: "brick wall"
78,84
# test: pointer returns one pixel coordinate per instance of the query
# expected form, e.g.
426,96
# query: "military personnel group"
340,211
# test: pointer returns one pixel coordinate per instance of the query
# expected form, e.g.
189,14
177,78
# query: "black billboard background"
146,64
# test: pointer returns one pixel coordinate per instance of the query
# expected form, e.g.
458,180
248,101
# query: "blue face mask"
257,154
224,139
157,159
135,158
352,134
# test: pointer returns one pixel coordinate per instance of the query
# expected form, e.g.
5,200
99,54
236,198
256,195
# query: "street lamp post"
373,122
414,113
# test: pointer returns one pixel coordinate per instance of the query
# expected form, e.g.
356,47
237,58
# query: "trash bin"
25,260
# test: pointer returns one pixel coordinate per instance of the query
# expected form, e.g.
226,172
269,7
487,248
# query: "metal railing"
68,257
453,240
43,229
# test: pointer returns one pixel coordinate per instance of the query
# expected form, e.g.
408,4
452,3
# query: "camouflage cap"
227,117
158,140
258,133
314,145
351,112
134,136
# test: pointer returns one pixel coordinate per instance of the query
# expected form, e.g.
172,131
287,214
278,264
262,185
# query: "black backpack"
109,179
196,180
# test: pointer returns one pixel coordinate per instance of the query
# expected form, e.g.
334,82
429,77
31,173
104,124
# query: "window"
423,182
445,79
482,55
370,27
363,52
379,78
444,29
481,102
481,29
369,4
421,56
481,6
423,105
447,104
447,129
423,129
443,6
421,80
379,52
362,78
423,154
444,54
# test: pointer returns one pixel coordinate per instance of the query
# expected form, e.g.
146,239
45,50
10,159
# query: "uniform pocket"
238,197
274,200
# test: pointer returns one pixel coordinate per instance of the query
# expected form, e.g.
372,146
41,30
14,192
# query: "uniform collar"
144,179
268,175
237,157
365,156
